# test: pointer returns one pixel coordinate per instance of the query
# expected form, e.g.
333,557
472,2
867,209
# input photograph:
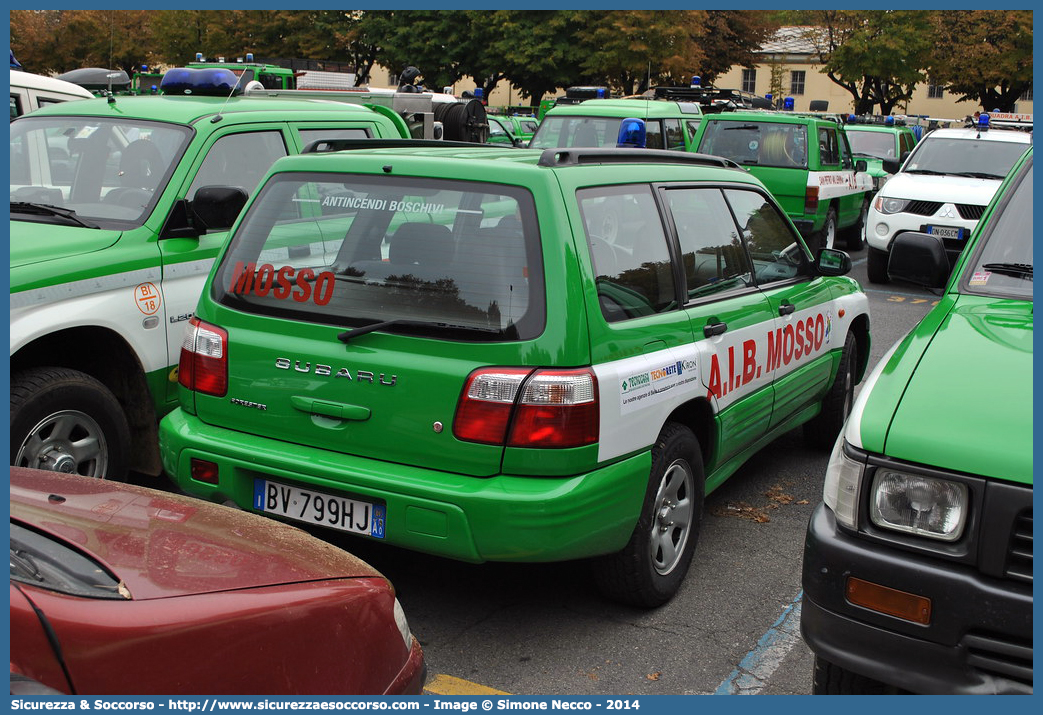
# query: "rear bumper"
502,518
979,639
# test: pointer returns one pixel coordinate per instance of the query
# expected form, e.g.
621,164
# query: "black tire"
854,239
822,430
652,566
64,420
827,235
831,679
876,266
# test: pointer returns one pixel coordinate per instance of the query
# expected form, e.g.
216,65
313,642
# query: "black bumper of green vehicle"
979,639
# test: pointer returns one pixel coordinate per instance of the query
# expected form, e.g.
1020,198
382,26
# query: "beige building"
789,62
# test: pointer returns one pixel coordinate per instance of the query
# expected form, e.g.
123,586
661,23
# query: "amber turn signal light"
907,606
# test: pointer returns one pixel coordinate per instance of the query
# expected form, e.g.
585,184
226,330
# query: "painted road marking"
754,671
448,685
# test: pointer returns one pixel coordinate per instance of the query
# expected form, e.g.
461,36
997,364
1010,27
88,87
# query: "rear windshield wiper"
28,207
356,332
1014,269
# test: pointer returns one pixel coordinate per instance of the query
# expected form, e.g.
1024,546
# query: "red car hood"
163,544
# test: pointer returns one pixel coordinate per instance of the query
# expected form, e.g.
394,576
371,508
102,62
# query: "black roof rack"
322,146
575,156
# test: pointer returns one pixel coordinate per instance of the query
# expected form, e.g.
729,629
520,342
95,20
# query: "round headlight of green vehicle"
890,206
918,505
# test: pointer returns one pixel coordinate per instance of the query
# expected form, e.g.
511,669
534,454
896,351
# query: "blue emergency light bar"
631,133
207,82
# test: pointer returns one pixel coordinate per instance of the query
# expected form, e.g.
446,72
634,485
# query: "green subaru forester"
510,354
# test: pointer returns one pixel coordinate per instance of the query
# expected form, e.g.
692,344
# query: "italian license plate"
311,507
951,232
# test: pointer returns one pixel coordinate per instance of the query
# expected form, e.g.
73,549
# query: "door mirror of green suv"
217,207
861,165
918,258
832,262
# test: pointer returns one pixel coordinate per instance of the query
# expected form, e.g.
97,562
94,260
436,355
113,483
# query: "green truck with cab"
805,160
118,209
917,568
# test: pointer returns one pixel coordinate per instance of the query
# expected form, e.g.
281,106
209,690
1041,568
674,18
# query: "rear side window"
674,134
461,257
628,250
828,150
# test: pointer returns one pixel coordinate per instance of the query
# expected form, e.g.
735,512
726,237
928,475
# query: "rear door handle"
786,308
712,329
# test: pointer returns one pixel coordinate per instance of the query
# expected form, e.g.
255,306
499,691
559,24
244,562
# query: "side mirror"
833,262
216,207
891,166
861,165
920,259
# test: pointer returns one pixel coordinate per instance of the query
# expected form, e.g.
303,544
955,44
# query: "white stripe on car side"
638,393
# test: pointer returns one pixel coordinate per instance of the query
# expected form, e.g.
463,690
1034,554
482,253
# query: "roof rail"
575,156
323,146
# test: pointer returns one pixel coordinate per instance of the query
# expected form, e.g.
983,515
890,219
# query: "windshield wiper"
356,332
979,175
1014,269
927,171
23,562
29,207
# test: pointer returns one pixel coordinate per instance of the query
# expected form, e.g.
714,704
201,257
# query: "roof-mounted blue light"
788,104
601,93
631,133
889,121
983,120
208,82
696,80
249,56
199,57
852,119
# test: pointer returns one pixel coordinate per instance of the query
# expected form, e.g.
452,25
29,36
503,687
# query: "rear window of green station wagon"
463,258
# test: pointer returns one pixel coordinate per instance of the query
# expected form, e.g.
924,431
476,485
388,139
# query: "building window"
749,81
796,82
935,91
1026,96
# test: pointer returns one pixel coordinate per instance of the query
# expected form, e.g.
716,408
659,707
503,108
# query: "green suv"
805,161
510,354
596,122
918,564
118,208
879,139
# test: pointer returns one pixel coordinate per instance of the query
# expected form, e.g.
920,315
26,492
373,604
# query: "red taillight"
541,408
811,200
204,359
204,471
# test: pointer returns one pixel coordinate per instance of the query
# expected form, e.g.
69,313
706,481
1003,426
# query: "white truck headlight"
890,206
919,505
840,490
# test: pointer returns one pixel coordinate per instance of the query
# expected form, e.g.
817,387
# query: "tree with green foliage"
985,56
547,58
631,50
56,41
878,57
